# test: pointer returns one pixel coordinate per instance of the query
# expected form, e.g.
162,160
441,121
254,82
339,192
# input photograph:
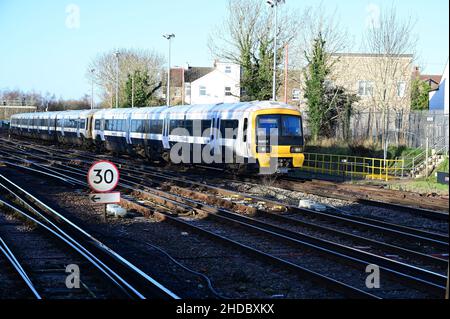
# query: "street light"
168,37
92,88
274,4
117,78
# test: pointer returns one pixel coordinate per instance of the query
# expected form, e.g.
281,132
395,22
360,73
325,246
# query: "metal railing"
413,164
353,166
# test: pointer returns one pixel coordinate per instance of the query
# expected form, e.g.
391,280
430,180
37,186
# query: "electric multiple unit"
246,134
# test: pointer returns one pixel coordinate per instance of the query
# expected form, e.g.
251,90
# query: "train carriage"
249,134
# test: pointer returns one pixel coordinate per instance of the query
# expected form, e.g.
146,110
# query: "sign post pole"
103,177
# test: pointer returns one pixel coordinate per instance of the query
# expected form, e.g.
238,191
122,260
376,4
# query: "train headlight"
296,149
263,149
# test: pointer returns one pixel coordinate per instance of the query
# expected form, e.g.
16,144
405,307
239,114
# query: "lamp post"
132,90
92,88
168,37
274,4
117,78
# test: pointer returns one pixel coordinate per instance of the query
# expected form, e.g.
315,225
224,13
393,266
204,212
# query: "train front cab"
288,150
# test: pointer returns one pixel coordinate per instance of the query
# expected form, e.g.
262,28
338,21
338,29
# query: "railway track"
371,196
13,269
128,280
414,276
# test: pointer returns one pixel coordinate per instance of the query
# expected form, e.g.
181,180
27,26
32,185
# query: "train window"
134,126
82,124
155,126
174,125
199,127
142,126
107,125
244,131
228,127
188,126
291,125
97,124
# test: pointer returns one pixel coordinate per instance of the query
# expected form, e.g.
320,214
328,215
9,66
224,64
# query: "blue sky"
40,52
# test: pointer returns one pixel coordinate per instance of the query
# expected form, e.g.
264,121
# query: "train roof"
203,108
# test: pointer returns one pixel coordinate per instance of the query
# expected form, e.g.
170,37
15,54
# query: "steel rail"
160,289
392,229
434,284
324,280
18,267
350,236
404,272
427,213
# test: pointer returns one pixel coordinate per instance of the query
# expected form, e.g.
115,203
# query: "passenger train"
256,134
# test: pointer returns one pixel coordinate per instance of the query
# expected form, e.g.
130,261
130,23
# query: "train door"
89,125
63,121
128,127
78,121
215,145
49,125
165,137
242,137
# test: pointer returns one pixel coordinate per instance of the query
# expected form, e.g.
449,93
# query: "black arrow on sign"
94,198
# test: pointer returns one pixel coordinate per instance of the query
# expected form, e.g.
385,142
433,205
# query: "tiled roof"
195,73
435,78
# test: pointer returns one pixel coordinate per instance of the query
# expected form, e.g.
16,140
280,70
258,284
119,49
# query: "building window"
188,89
227,91
228,69
296,95
202,90
365,88
401,89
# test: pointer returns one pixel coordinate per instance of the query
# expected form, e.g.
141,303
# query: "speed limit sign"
103,176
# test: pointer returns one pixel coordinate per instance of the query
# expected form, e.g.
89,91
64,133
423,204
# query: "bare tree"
130,61
392,41
245,37
318,20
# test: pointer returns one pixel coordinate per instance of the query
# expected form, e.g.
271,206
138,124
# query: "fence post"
386,169
403,166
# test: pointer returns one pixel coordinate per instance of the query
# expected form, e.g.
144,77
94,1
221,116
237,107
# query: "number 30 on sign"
103,176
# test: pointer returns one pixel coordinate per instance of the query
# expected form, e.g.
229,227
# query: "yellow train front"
278,142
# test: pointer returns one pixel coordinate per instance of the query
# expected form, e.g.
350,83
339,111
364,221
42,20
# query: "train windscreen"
288,128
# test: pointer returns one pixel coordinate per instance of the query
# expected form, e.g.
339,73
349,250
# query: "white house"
439,98
220,84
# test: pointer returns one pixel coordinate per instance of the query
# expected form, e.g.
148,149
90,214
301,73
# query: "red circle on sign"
113,167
